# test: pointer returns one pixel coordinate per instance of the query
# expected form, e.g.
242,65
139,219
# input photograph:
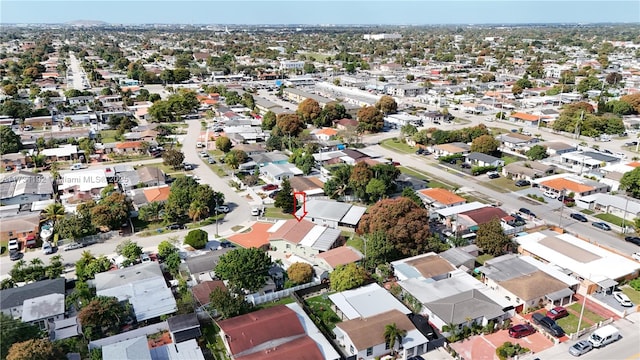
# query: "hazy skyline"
416,12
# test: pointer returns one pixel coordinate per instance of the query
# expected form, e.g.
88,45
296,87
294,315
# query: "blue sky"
415,12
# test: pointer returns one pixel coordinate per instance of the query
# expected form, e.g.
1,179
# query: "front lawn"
321,307
634,295
108,136
356,242
588,314
276,213
283,301
587,211
398,145
431,181
611,219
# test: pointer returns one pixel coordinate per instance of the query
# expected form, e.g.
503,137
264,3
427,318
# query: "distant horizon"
322,13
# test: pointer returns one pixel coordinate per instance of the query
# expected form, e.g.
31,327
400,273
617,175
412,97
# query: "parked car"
204,154
579,217
557,312
222,209
175,227
566,199
419,151
633,239
256,211
580,348
521,330
211,160
188,167
144,257
601,225
13,244
520,221
622,298
493,175
47,248
8,168
15,255
547,324
270,187
521,183
550,194
465,165
604,335
274,194
636,256
73,245
527,212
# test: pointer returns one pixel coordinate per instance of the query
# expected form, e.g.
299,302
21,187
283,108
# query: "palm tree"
54,212
36,262
392,334
197,210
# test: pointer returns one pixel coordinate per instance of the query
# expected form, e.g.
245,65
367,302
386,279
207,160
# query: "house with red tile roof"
325,134
128,147
570,183
471,220
335,257
202,291
157,193
279,332
439,198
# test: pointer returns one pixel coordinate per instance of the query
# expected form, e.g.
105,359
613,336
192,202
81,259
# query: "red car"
557,313
269,187
521,330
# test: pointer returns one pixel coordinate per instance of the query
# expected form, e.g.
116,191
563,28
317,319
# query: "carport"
607,285
560,297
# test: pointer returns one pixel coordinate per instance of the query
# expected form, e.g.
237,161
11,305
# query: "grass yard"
141,225
215,153
501,184
214,342
510,159
431,181
461,121
283,301
631,293
356,242
484,257
570,323
587,211
397,145
321,307
588,314
610,219
414,173
219,170
276,213
108,136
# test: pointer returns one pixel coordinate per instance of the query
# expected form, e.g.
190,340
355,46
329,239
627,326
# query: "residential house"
597,268
438,198
278,332
23,228
264,105
448,214
571,184
144,196
364,302
585,161
345,124
311,186
525,119
274,157
298,96
621,206
43,310
39,121
151,176
332,213
352,156
471,220
452,149
480,159
363,338
463,258
341,255
142,285
24,187
253,149
276,173
325,134
128,178
528,283
405,90
202,291
614,173
129,147
14,160
65,152
139,348
402,119
527,170
434,116
81,185
13,300
201,267
184,327
516,141
303,238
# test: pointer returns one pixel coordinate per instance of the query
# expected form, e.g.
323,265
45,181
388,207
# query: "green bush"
197,239
509,350
478,170
635,284
449,158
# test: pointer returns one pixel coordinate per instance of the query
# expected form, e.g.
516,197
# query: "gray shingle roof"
13,297
458,308
482,157
25,183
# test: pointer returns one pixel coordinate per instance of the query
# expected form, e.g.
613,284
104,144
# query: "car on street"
175,227
13,244
15,255
557,312
419,151
527,212
566,199
72,246
211,160
222,209
270,187
580,348
521,183
636,256
274,194
622,298
521,330
47,248
579,217
204,154
188,166
493,175
601,225
633,239
550,194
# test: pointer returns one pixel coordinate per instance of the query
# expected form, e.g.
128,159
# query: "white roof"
86,180
428,290
448,211
41,205
62,151
276,226
605,265
632,206
312,236
312,331
131,349
178,351
366,301
42,307
324,156
352,217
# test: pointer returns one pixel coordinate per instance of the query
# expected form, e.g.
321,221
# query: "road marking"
633,357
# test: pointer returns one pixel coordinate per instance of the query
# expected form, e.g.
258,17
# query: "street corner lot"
484,346
256,236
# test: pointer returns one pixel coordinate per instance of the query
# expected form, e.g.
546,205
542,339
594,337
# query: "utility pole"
562,196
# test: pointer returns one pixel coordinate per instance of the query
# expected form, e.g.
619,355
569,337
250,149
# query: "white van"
76,166
603,336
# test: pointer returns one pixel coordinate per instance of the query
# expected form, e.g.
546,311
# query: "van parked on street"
603,336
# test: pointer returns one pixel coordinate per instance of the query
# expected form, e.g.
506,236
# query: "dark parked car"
274,194
269,187
527,212
557,312
565,199
521,183
419,151
465,165
493,174
15,255
175,227
519,220
579,217
601,225
521,330
547,324
633,239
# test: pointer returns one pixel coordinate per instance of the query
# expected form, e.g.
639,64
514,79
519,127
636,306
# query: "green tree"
589,83
332,111
387,105
173,158
228,305
184,191
303,159
537,152
284,198
411,194
244,268
485,144
101,313
35,349
111,212
309,68
349,276
370,119
376,189
165,248
492,239
379,250
88,266
9,141
235,157
10,89
269,120
151,212
130,250
197,239
309,110
408,130
13,331
630,183
300,273
16,109
54,212
338,184
74,227
223,144
393,333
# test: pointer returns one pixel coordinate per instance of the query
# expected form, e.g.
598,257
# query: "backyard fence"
277,295
91,239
